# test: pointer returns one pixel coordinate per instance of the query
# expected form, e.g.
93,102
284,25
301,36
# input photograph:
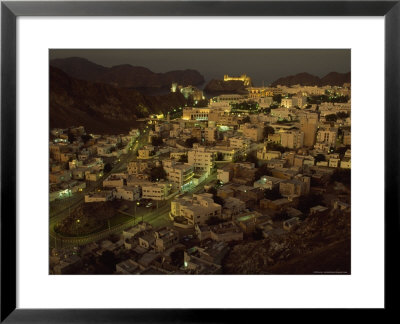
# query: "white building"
128,193
287,102
239,142
201,158
180,174
155,191
196,209
190,113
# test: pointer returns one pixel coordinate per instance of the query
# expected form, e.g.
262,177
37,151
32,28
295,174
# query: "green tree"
262,171
268,130
156,141
245,120
107,168
251,157
157,173
331,117
275,147
219,157
342,115
190,141
320,157
277,98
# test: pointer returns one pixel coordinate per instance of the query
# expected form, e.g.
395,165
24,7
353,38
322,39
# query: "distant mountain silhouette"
306,79
125,75
101,108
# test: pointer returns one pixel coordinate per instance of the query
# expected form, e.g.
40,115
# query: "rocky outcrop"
320,244
101,108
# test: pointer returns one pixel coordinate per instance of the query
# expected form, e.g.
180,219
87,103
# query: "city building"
196,209
292,139
201,158
180,174
155,191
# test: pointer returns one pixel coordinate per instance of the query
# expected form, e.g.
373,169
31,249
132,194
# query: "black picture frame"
9,13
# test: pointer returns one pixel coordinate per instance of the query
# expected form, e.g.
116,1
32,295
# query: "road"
69,204
158,217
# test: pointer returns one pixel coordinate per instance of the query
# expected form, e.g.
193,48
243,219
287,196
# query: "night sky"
260,64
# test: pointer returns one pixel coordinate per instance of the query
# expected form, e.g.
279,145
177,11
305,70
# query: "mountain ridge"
125,75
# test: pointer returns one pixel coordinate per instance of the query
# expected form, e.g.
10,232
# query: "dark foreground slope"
321,244
101,108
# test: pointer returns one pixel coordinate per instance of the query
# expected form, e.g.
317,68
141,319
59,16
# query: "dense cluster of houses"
295,149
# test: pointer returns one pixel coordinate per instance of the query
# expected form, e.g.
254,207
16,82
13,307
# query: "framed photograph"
162,159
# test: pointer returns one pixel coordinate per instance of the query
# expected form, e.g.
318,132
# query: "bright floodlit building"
196,209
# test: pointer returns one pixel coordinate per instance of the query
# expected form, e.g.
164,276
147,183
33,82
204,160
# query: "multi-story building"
327,136
180,174
196,209
115,180
165,238
146,152
210,134
309,126
190,113
299,101
253,132
155,191
287,102
136,167
131,193
347,138
239,142
292,139
201,158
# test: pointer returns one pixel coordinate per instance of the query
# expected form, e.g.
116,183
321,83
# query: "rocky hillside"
306,79
125,75
221,87
320,244
101,108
